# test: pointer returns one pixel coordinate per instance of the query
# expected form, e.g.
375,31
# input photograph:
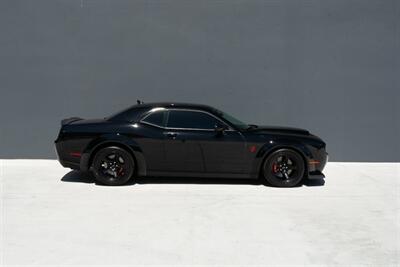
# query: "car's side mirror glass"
219,129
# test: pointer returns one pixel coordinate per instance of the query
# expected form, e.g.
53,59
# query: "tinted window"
156,118
131,114
191,119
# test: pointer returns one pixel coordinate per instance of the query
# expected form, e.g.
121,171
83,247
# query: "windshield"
237,123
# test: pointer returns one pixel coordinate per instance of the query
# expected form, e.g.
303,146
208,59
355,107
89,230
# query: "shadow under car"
86,177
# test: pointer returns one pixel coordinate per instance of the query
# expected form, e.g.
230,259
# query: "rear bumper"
66,161
84,164
69,164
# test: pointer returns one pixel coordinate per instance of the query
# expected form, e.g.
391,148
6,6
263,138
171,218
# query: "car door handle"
172,135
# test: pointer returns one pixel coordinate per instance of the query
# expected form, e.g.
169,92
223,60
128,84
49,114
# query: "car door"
152,139
182,146
193,145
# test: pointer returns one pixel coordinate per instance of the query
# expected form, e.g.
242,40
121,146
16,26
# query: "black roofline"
145,107
177,105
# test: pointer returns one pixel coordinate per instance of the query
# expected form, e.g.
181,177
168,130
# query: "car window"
131,114
155,118
192,120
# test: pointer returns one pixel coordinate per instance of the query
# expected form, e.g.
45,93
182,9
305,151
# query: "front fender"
267,148
114,139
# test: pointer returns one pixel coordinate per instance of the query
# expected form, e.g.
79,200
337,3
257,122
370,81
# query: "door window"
192,120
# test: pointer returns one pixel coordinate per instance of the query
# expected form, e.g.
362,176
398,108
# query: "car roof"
177,105
135,111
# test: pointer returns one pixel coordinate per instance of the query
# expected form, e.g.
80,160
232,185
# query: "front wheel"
284,168
113,166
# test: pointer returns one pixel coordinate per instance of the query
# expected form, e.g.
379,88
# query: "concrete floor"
51,216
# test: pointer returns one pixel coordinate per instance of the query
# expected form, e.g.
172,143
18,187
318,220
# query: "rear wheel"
284,168
113,166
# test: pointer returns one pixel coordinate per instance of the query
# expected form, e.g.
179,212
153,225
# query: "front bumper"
316,175
317,164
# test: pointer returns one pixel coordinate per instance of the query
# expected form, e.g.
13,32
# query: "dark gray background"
329,66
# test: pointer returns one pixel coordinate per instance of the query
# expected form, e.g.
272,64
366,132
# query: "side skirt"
201,175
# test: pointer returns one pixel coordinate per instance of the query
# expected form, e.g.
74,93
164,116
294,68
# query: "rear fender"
116,140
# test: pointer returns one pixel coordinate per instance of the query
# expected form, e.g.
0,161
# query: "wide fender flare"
114,139
269,147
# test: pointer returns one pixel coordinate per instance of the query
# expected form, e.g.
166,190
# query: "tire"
283,168
113,166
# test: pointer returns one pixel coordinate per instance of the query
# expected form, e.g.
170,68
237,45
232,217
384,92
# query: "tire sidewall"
277,182
97,161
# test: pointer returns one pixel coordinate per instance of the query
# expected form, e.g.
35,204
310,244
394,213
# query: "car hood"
278,129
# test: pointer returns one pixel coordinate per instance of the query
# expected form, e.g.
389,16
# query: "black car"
179,139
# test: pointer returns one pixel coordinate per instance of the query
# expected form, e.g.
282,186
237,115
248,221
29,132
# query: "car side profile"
192,140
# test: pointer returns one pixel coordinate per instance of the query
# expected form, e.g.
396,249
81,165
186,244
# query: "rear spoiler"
70,120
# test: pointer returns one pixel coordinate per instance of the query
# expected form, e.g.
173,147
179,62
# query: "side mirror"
219,130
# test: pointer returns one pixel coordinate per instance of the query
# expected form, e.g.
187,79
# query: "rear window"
155,118
131,114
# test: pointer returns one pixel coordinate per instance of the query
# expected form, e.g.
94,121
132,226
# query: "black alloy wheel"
113,166
284,168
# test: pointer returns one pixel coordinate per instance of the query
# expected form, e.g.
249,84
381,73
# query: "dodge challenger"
192,140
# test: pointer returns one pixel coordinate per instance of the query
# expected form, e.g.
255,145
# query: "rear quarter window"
131,114
155,118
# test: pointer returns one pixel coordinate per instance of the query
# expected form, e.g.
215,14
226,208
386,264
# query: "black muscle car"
179,139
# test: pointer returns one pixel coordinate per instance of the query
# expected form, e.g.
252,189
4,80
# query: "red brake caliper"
120,171
275,168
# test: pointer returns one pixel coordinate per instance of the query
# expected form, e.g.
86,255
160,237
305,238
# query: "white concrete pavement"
51,216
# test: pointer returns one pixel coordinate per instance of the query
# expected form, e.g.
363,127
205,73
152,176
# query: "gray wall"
329,66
